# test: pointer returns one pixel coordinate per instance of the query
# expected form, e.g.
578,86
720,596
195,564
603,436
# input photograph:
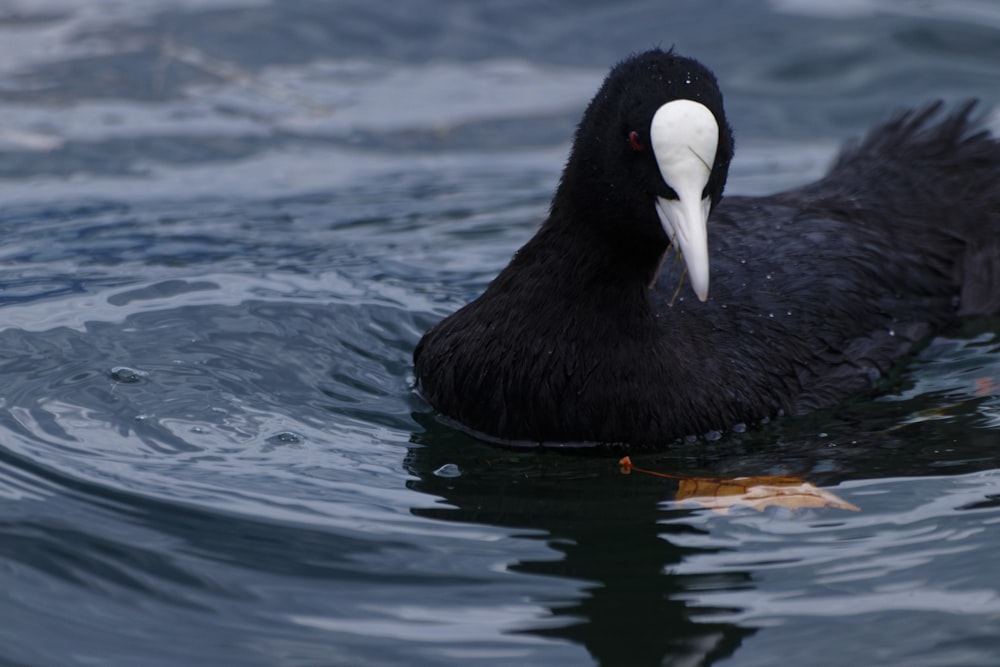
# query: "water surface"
226,224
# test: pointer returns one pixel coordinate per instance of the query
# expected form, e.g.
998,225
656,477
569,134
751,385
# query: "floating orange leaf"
756,493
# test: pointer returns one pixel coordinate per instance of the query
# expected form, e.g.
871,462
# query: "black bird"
815,292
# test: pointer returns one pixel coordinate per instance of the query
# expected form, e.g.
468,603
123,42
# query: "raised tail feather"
942,174
940,159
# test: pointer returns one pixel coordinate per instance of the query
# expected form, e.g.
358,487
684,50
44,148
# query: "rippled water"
227,223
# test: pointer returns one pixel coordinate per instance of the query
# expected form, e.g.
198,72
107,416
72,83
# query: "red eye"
633,140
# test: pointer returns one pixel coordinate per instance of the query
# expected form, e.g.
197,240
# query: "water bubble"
285,438
712,436
448,471
127,375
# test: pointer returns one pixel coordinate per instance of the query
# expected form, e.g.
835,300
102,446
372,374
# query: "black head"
650,158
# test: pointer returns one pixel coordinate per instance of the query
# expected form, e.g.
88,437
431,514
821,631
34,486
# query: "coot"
591,334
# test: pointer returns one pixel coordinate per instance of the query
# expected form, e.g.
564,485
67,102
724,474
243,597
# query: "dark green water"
226,224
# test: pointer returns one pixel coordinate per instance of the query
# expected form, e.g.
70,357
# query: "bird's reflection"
610,533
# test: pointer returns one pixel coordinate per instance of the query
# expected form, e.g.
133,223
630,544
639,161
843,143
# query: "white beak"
685,135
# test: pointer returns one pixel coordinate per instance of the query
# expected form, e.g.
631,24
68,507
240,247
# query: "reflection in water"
609,532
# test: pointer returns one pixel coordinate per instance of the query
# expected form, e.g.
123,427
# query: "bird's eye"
633,141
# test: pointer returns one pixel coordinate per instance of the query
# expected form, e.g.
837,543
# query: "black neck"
578,275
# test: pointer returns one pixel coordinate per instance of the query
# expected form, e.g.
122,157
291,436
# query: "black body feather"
814,292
